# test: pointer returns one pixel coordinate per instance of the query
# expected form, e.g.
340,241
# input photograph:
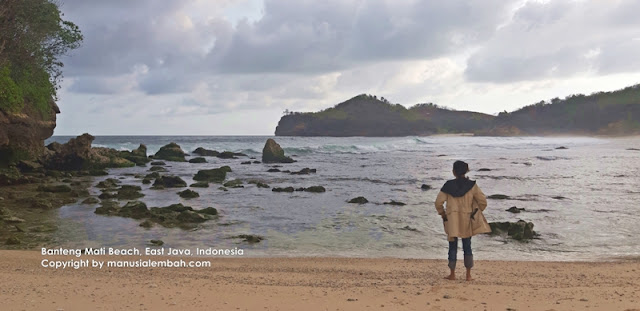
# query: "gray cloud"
560,39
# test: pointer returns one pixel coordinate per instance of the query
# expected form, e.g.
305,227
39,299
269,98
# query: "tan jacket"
459,211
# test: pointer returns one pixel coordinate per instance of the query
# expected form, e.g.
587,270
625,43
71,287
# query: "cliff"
602,113
22,134
366,115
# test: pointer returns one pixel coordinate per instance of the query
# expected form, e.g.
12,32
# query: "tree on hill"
33,37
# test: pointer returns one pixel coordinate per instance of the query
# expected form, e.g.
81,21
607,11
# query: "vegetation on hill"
33,38
609,113
366,115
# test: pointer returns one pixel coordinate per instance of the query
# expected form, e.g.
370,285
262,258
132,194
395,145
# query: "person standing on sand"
463,216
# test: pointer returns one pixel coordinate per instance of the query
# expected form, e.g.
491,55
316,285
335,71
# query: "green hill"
603,113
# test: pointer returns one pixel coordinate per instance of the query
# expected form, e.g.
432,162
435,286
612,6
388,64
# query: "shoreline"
321,283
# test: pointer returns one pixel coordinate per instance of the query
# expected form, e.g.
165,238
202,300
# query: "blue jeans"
453,253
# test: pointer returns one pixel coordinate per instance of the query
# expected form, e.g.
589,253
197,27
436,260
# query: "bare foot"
451,277
469,278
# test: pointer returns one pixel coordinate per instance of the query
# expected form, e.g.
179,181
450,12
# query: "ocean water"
597,219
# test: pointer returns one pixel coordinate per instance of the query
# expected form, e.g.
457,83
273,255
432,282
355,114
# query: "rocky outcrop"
137,156
216,175
170,152
520,230
273,153
22,135
77,155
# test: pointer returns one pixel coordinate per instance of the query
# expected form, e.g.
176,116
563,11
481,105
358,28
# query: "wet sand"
318,284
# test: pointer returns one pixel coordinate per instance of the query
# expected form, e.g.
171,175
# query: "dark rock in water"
561,148
273,170
256,162
216,175
146,181
301,189
359,200
77,155
249,238
107,208
158,169
409,229
484,170
129,192
396,203
137,156
315,189
227,155
515,209
135,210
90,200
520,230
558,198
287,189
156,163
498,197
13,241
304,171
273,153
198,160
191,216
54,188
188,194
234,184
153,175
633,149
170,152
246,162
156,242
206,152
107,196
200,184
426,187
169,182
146,224
208,211
259,184
223,189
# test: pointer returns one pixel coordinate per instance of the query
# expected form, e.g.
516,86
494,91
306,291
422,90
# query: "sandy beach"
318,284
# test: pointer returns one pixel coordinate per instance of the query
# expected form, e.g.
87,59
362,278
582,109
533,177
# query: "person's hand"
444,217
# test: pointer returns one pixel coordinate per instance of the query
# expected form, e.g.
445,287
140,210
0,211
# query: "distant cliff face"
22,135
604,113
366,115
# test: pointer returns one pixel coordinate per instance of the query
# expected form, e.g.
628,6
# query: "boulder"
158,169
129,192
515,209
170,152
426,187
287,189
484,170
249,238
26,166
499,197
191,216
208,211
216,175
198,160
137,156
359,200
304,171
200,184
188,194
169,182
146,224
77,154
246,162
206,152
273,170
108,183
396,203
315,189
234,184
135,210
158,163
520,230
273,153
156,242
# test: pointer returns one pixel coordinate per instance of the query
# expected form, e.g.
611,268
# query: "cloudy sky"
231,67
